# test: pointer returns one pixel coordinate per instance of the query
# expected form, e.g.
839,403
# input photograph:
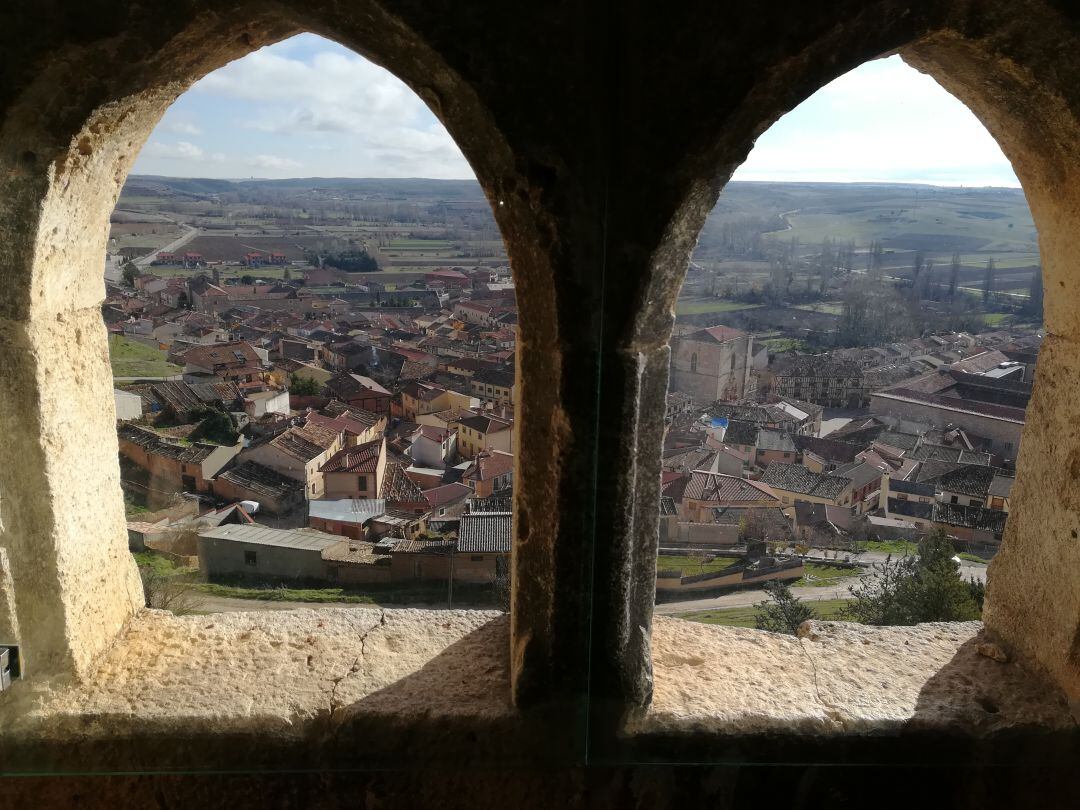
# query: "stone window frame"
591,388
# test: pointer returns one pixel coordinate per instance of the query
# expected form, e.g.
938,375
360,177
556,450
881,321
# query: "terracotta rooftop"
363,458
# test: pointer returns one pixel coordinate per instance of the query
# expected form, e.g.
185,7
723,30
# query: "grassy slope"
130,358
821,575
689,567
744,616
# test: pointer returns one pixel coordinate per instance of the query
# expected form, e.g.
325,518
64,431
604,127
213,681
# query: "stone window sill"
364,688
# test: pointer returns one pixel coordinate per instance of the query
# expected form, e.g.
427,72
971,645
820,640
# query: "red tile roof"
363,458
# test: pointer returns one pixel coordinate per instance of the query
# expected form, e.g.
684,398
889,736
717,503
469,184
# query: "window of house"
250,558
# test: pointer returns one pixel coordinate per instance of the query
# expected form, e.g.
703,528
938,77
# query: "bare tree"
176,593
954,275
988,281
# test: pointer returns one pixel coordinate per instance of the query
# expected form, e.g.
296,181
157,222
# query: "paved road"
172,247
749,598
113,273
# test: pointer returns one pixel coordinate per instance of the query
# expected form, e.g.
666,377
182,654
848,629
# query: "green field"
777,345
423,593
130,358
819,576
827,307
899,548
420,244
744,616
689,566
707,306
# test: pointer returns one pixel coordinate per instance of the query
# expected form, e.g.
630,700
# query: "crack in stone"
356,661
831,710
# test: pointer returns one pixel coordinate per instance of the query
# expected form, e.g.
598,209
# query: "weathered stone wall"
602,134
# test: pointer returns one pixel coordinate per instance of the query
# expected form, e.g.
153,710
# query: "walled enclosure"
602,136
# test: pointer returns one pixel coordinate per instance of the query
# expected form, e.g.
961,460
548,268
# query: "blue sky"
308,107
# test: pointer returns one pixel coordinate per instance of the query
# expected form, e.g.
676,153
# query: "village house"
448,500
355,472
358,426
233,362
981,405
298,453
484,432
344,356
359,391
705,491
275,493
419,399
491,385
171,464
432,447
304,555
792,482
820,379
865,481
774,445
482,554
349,517
492,471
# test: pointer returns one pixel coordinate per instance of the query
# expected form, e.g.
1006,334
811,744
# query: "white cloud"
332,92
180,127
272,162
367,121
181,150
883,121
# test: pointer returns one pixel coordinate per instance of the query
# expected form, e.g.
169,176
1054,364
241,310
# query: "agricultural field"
979,223
231,248
266,272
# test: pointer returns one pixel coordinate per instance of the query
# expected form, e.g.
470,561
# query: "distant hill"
396,189
903,217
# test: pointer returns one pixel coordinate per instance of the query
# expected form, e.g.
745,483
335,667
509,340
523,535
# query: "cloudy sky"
308,107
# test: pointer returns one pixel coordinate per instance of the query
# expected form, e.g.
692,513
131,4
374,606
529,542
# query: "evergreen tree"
130,272
926,587
784,613
304,386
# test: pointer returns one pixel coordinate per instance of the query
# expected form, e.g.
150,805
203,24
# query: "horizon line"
866,182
